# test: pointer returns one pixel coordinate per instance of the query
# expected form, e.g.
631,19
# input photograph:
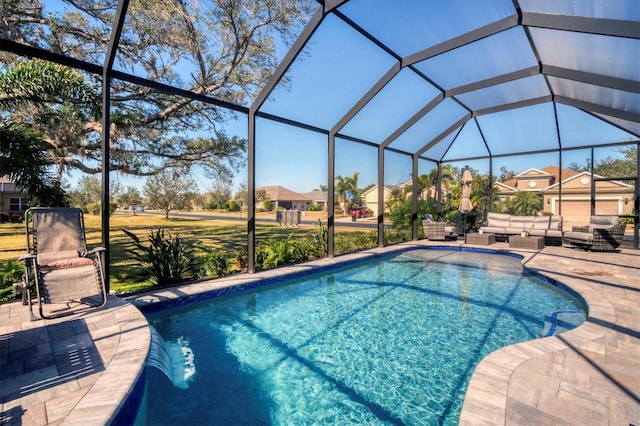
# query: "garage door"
578,212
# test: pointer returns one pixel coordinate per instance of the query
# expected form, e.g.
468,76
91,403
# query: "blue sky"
339,65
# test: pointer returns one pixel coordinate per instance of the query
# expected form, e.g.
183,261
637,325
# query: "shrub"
241,258
93,208
214,264
10,272
302,250
166,260
261,253
320,240
278,252
395,236
347,243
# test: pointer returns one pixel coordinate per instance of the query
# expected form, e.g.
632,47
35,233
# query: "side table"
530,243
480,239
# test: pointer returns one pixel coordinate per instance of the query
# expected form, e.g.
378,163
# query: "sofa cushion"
545,233
493,230
499,220
602,222
541,222
554,233
521,222
585,237
514,231
556,222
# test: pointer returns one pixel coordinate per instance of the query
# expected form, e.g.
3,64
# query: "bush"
214,264
10,272
93,208
242,259
320,240
395,236
348,243
278,252
166,260
303,250
234,206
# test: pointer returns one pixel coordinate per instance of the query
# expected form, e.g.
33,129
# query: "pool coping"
84,366
487,394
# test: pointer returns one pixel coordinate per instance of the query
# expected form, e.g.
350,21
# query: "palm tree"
33,85
524,203
25,162
353,188
396,197
428,181
341,190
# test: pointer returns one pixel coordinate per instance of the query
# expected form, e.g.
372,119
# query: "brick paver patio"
79,370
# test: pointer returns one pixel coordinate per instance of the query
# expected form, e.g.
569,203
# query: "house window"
18,204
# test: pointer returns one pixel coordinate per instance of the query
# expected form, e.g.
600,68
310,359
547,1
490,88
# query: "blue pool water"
390,341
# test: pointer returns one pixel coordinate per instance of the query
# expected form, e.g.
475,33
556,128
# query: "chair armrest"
617,230
580,228
96,250
26,257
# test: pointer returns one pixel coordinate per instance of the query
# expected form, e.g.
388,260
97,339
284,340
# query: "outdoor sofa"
604,232
503,225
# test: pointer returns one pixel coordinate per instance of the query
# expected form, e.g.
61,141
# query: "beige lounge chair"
604,232
64,274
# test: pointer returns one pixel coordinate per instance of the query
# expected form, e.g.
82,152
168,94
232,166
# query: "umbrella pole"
464,223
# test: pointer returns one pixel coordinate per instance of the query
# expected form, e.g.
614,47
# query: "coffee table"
480,239
530,243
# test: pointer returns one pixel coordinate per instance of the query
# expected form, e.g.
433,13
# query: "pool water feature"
389,341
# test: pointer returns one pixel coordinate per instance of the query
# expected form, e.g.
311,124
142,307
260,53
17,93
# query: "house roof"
387,188
555,173
587,181
280,193
532,172
7,185
317,196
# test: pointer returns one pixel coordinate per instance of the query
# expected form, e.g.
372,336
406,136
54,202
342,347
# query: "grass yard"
203,236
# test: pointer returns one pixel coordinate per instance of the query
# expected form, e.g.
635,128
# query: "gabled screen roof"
447,80
467,79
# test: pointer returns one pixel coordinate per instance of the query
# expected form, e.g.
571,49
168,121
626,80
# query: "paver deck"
79,369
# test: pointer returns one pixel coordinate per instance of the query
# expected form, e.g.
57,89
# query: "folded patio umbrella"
465,201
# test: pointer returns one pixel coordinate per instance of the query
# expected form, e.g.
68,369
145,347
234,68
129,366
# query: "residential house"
13,202
370,196
318,198
285,198
611,197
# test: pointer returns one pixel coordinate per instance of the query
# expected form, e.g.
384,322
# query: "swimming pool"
393,340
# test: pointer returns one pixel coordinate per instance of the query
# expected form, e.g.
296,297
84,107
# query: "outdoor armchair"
436,231
604,232
63,272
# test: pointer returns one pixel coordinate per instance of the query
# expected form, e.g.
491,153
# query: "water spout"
174,359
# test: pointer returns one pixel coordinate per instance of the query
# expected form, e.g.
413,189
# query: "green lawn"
202,235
